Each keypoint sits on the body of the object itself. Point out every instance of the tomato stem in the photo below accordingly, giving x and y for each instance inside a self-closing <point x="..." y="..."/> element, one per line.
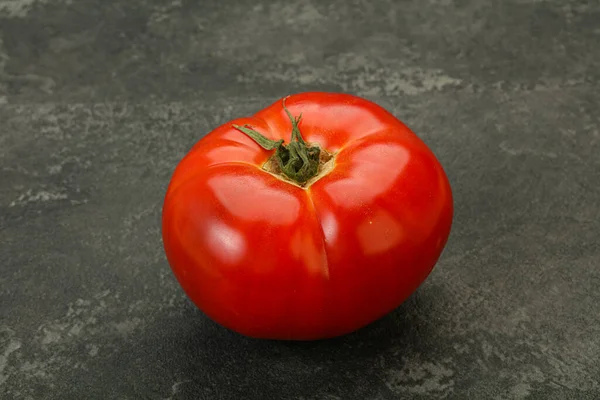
<point x="297" y="160"/>
<point x="264" y="142"/>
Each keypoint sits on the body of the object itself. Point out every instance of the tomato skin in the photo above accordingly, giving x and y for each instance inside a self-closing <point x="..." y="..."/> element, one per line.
<point x="269" y="259"/>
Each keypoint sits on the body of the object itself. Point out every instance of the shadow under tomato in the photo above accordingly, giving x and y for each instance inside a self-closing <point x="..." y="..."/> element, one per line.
<point x="186" y="355"/>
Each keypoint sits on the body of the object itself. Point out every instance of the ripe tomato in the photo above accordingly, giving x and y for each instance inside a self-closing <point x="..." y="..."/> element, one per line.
<point x="309" y="237"/>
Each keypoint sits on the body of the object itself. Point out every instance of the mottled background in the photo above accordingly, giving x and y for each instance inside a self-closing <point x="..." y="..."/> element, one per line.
<point x="99" y="99"/>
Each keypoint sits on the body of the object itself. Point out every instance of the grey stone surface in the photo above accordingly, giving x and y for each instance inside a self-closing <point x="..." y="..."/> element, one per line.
<point x="99" y="99"/>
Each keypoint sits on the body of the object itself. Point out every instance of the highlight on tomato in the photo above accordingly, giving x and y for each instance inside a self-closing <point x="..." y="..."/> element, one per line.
<point x="310" y="219"/>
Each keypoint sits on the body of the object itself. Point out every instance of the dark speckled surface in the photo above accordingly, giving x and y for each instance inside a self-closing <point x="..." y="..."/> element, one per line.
<point x="100" y="99"/>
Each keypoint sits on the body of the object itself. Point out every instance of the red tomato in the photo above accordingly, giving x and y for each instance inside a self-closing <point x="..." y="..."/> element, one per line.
<point x="270" y="257"/>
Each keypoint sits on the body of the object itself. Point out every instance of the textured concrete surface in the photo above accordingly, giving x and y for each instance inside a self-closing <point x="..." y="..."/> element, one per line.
<point x="99" y="99"/>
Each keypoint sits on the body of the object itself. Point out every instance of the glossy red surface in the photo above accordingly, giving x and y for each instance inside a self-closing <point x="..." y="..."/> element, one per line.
<point x="269" y="259"/>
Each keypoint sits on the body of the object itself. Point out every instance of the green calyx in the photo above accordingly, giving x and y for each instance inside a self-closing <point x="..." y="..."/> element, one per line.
<point x="296" y="160"/>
